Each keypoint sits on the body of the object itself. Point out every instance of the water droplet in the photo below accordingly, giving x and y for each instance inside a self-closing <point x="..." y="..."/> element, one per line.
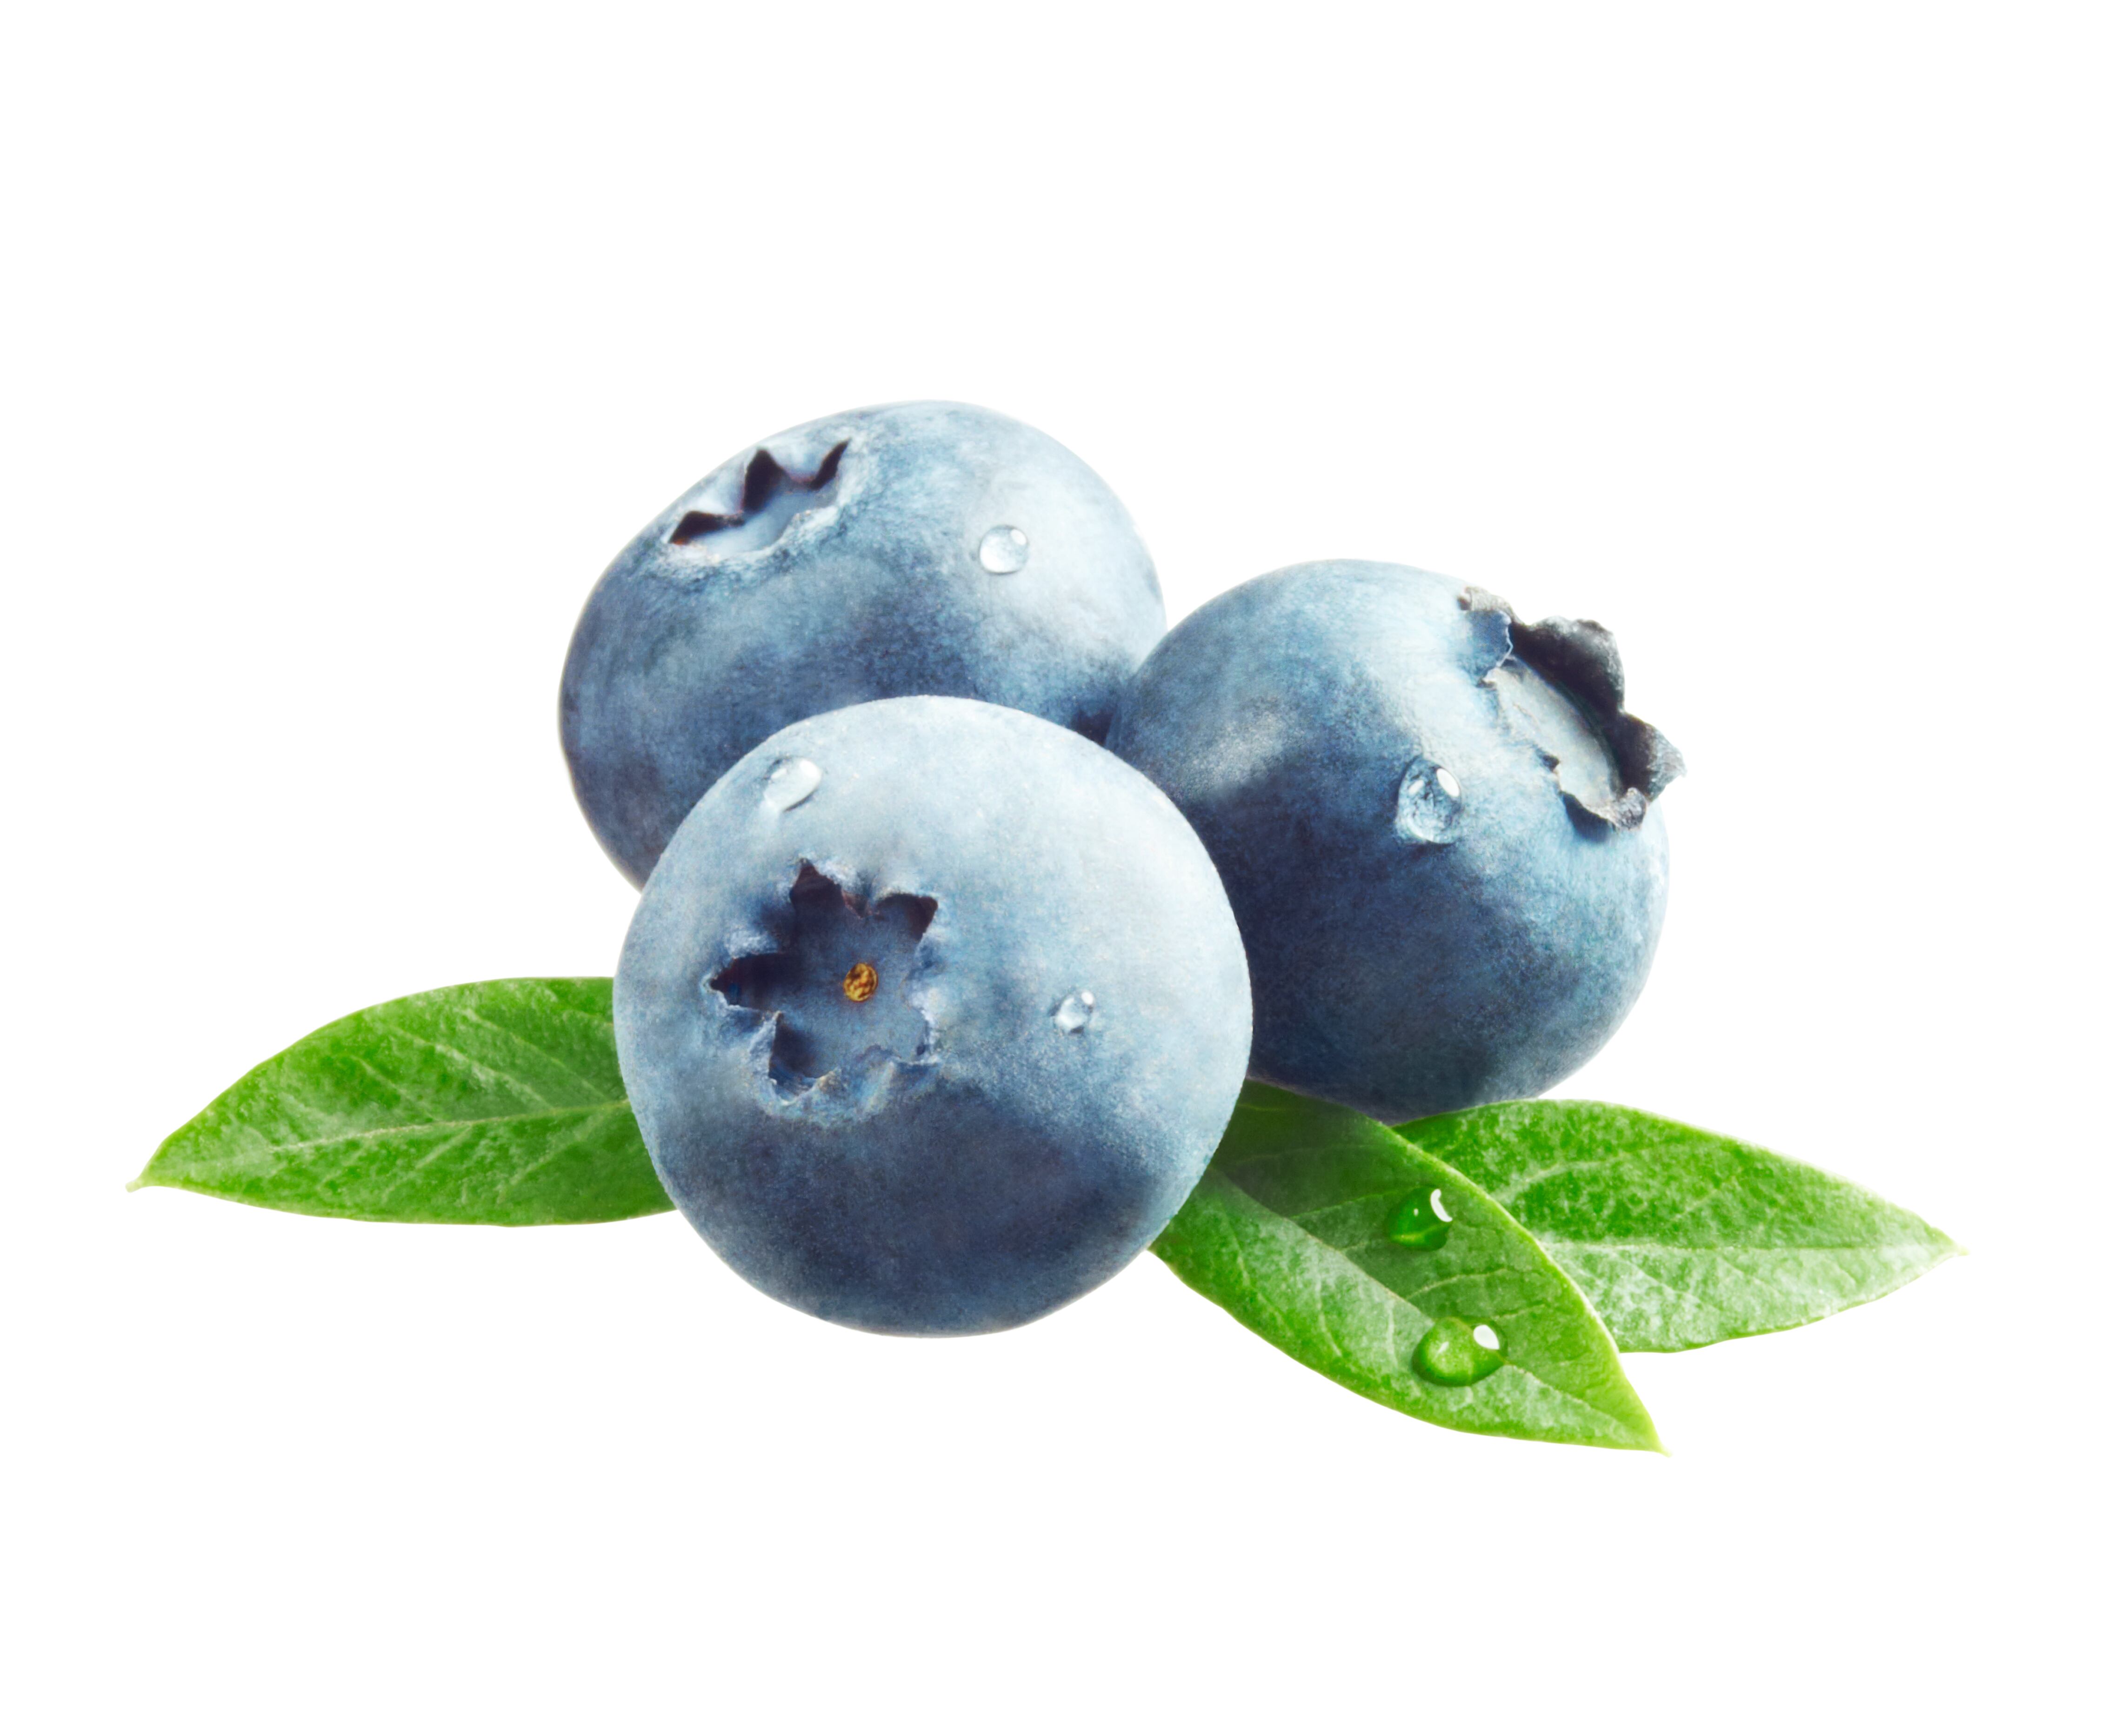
<point x="1429" y="803"/>
<point x="1003" y="549"/>
<point x="1455" y="1353"/>
<point x="1075" y="1010"/>
<point x="789" y="782"/>
<point x="861" y="983"/>
<point x="1420" y="1220"/>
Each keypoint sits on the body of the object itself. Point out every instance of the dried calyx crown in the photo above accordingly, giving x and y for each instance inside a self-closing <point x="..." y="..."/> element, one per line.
<point x="1580" y="659"/>
<point x="764" y="480"/>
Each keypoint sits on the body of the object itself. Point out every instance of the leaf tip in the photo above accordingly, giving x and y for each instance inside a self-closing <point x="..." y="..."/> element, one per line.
<point x="151" y="1175"/>
<point x="1642" y="1436"/>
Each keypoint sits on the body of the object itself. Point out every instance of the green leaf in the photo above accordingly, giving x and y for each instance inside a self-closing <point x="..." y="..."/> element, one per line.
<point x="1681" y="1238"/>
<point x="1290" y="1233"/>
<point x="489" y="1103"/>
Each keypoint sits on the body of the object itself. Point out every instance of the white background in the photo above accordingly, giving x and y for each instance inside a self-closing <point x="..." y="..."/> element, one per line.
<point x="342" y="348"/>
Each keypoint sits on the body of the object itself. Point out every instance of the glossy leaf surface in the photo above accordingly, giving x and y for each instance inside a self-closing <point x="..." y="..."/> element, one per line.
<point x="1681" y="1237"/>
<point x="486" y="1103"/>
<point x="1290" y="1232"/>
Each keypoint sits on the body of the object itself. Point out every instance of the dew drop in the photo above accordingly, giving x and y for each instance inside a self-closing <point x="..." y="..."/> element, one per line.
<point x="1429" y="803"/>
<point x="789" y="782"/>
<point x="1075" y="1010"/>
<point x="1420" y="1220"/>
<point x="1003" y="549"/>
<point x="1455" y="1353"/>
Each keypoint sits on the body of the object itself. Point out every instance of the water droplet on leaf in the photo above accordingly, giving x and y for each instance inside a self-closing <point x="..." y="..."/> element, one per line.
<point x="1003" y="549"/>
<point x="1420" y="1220"/>
<point x="1455" y="1353"/>
<point x="789" y="782"/>
<point x="1075" y="1010"/>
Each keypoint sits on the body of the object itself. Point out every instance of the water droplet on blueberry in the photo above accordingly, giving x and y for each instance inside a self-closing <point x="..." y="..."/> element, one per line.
<point x="861" y="983"/>
<point x="789" y="782"/>
<point x="1003" y="549"/>
<point x="1420" y="1220"/>
<point x="1075" y="1010"/>
<point x="1455" y="1353"/>
<point x="1429" y="803"/>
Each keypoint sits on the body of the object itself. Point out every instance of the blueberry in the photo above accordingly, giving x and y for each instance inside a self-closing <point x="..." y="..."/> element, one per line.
<point x="916" y="549"/>
<point x="1433" y="822"/>
<point x="932" y="1015"/>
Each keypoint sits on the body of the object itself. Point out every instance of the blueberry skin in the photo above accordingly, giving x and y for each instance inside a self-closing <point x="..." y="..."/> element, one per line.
<point x="1434" y="822"/>
<point x="962" y="1140"/>
<point x="840" y="562"/>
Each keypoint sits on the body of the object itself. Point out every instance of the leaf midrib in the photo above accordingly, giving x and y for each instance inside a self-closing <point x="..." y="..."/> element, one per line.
<point x="1550" y="1241"/>
<point x="407" y="1127"/>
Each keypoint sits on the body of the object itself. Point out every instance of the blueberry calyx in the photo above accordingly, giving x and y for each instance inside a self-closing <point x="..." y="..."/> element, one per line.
<point x="766" y="480"/>
<point x="1580" y="659"/>
<point x="823" y="989"/>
